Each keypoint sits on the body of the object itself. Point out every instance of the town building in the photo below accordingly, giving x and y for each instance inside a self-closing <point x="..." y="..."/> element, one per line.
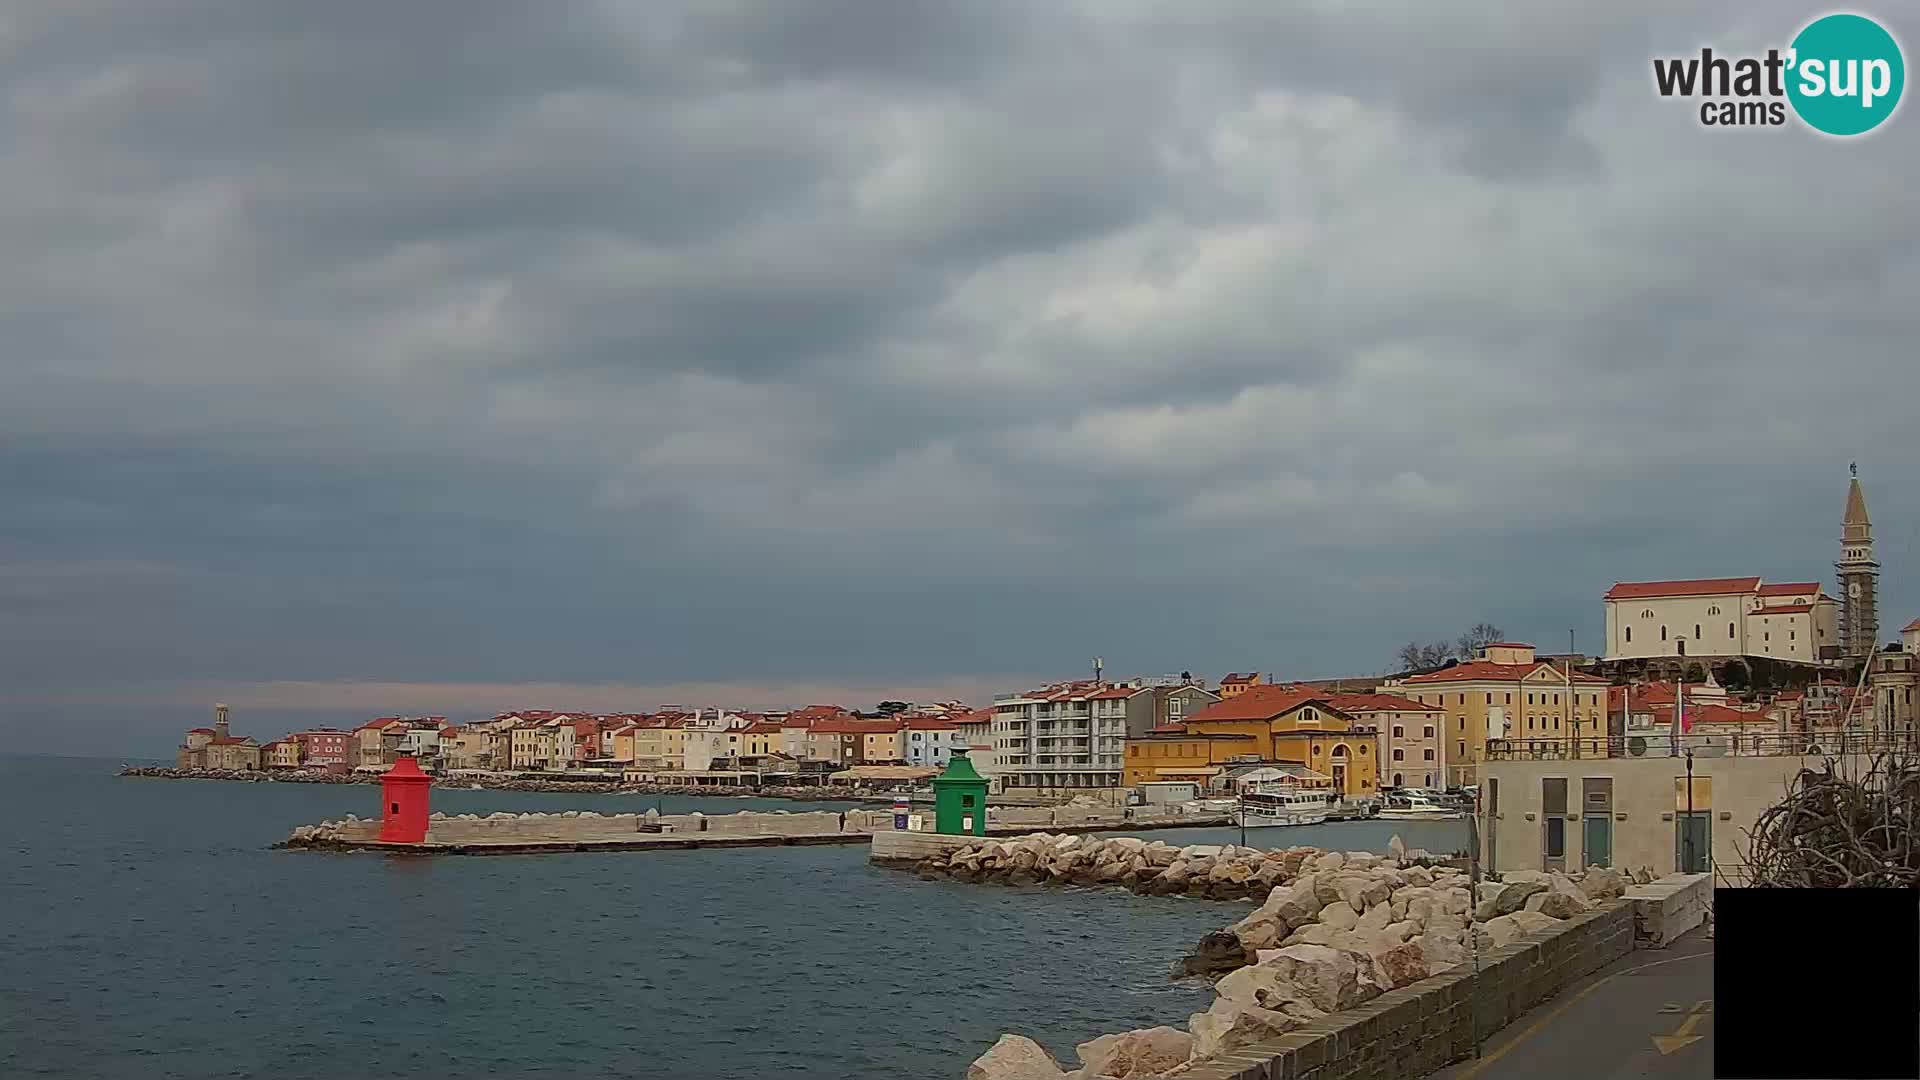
<point x="1543" y="810"/>
<point x="1411" y="750"/>
<point x="1892" y="681"/>
<point x="930" y="742"/>
<point x="281" y="754"/>
<point x="1236" y="683"/>
<point x="1065" y="737"/>
<point x="217" y="747"/>
<point x="1505" y="693"/>
<point x="1264" y="725"/>
<point x="324" y="748"/>
<point x="1721" y="618"/>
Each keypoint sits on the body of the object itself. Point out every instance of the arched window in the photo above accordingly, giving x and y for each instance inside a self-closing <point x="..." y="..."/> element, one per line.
<point x="1696" y="631"/>
<point x="1647" y="613"/>
<point x="1663" y="633"/>
<point x="1399" y="780"/>
<point x="1729" y="631"/>
<point x="1714" y="610"/>
<point x="1629" y="633"/>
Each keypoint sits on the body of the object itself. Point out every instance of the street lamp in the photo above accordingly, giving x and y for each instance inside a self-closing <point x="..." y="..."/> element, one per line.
<point x="1686" y="828"/>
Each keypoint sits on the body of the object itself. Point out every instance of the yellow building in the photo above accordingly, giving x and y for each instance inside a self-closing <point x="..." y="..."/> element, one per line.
<point x="281" y="754"/>
<point x="1506" y="694"/>
<point x="660" y="748"/>
<point x="1263" y="724"/>
<point x="882" y="746"/>
<point x="762" y="738"/>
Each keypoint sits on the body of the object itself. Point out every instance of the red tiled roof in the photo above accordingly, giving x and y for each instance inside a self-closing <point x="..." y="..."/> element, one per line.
<point x="1236" y="677"/>
<point x="1647" y="590"/>
<point x="1258" y="703"/>
<point x="1911" y="627"/>
<point x="1797" y="588"/>
<point x="930" y="723"/>
<point x="976" y="716"/>
<point x="763" y="728"/>
<point x="1359" y="703"/>
<point x="1487" y="670"/>
<point x="200" y="731"/>
<point x="1117" y="693"/>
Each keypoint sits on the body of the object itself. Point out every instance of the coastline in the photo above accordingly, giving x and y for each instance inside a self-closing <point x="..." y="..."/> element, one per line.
<point x="820" y="793"/>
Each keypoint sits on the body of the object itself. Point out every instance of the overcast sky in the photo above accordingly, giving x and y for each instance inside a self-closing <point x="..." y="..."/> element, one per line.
<point x="364" y="357"/>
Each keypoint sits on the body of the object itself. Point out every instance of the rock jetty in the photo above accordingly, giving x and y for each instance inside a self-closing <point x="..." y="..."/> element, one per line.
<point x="1148" y="867"/>
<point x="1334" y="929"/>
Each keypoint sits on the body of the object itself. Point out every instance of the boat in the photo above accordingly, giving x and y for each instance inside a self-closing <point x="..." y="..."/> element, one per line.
<point x="1281" y="804"/>
<point x="1409" y="806"/>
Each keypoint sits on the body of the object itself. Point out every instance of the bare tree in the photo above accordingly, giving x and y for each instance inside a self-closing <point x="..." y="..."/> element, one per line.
<point x="1481" y="635"/>
<point x="1414" y="656"/>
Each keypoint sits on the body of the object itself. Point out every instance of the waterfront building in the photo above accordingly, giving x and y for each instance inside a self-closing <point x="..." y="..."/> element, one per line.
<point x="1504" y="693"/>
<point x="1235" y="684"/>
<point x="660" y="745"/>
<point x="281" y="754"/>
<point x="234" y="754"/>
<point x="193" y="749"/>
<point x="1542" y="809"/>
<point x="324" y="747"/>
<point x="1061" y="738"/>
<point x="930" y="742"/>
<point x="763" y="738"/>
<point x="377" y="742"/>
<point x="1264" y="725"/>
<point x="1411" y="750"/>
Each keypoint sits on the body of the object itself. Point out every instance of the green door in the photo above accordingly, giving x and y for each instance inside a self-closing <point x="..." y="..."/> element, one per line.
<point x="1598" y="850"/>
<point x="1692" y="842"/>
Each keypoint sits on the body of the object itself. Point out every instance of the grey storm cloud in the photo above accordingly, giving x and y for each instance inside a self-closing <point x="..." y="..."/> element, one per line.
<point x="727" y="342"/>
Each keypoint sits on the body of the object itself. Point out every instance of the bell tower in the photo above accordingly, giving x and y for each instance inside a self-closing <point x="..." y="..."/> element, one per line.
<point x="1859" y="576"/>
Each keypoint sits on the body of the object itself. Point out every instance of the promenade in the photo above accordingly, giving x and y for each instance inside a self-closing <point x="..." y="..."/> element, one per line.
<point x="1647" y="1014"/>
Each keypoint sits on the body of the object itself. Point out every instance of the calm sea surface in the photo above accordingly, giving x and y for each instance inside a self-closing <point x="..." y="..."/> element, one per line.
<point x="148" y="932"/>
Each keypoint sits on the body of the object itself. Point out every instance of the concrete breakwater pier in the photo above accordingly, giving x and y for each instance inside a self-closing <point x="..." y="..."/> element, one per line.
<point x="574" y="830"/>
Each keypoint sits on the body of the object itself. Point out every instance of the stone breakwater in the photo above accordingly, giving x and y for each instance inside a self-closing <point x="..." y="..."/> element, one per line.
<point x="1335" y="930"/>
<point x="577" y="826"/>
<point x="816" y="793"/>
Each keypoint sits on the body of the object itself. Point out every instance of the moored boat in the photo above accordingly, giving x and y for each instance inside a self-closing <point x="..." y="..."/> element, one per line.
<point x="1281" y="804"/>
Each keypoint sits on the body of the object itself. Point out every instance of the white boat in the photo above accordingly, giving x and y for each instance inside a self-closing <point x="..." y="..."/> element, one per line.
<point x="1281" y="805"/>
<point x="1410" y="807"/>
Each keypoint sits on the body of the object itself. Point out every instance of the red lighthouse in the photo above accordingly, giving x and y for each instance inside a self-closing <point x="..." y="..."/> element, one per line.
<point x="403" y="799"/>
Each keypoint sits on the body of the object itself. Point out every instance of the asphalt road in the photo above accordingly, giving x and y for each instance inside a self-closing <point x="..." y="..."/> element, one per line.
<point x="1648" y="1014"/>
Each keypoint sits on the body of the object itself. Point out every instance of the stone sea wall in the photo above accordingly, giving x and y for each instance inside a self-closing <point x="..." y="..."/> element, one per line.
<point x="1335" y="931"/>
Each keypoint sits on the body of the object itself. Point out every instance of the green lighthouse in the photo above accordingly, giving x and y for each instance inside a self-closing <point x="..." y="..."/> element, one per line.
<point x="960" y="799"/>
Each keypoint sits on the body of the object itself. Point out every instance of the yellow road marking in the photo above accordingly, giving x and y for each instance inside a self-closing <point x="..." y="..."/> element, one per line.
<point x="1683" y="1037"/>
<point x="1534" y="1028"/>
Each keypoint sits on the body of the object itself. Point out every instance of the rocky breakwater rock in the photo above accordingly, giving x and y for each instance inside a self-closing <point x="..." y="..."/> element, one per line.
<point x="1201" y="871"/>
<point x="327" y="834"/>
<point x="1333" y="930"/>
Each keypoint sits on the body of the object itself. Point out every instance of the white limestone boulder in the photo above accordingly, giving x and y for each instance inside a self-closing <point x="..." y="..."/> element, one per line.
<point x="1015" y="1057"/>
<point x="1136" y="1055"/>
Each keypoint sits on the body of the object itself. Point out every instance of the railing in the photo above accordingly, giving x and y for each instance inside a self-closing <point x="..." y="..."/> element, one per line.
<point x="1729" y="744"/>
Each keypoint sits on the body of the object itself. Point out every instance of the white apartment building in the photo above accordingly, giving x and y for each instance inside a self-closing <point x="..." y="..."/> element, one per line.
<point x="1721" y="617"/>
<point x="1062" y="737"/>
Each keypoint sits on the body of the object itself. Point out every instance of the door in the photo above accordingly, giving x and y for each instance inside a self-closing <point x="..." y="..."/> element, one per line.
<point x="1692" y="842"/>
<point x="1598" y="849"/>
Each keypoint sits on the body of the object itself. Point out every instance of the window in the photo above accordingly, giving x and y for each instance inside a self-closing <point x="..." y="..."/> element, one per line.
<point x="1792" y="635"/>
<point x="1400" y="732"/>
<point x="1363" y="749"/>
<point x="1556" y="699"/>
<point x="1463" y="749"/>
<point x="1629" y="633"/>
<point x="1663" y="633"/>
<point x="1509" y="699"/>
<point x="1714" y="610"/>
<point x="1429" y="753"/>
<point x="1429" y="731"/>
<point x="1729" y="631"/>
<point x="1696" y="631"/>
<point x="1646" y="613"/>
<point x="1463" y="699"/>
<point x="1489" y="699"/>
<point x="1529" y="699"/>
<point x="1399" y="780"/>
<point x="1399" y="754"/>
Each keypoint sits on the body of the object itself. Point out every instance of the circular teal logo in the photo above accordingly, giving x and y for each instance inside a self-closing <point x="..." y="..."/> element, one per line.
<point x="1845" y="74"/>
